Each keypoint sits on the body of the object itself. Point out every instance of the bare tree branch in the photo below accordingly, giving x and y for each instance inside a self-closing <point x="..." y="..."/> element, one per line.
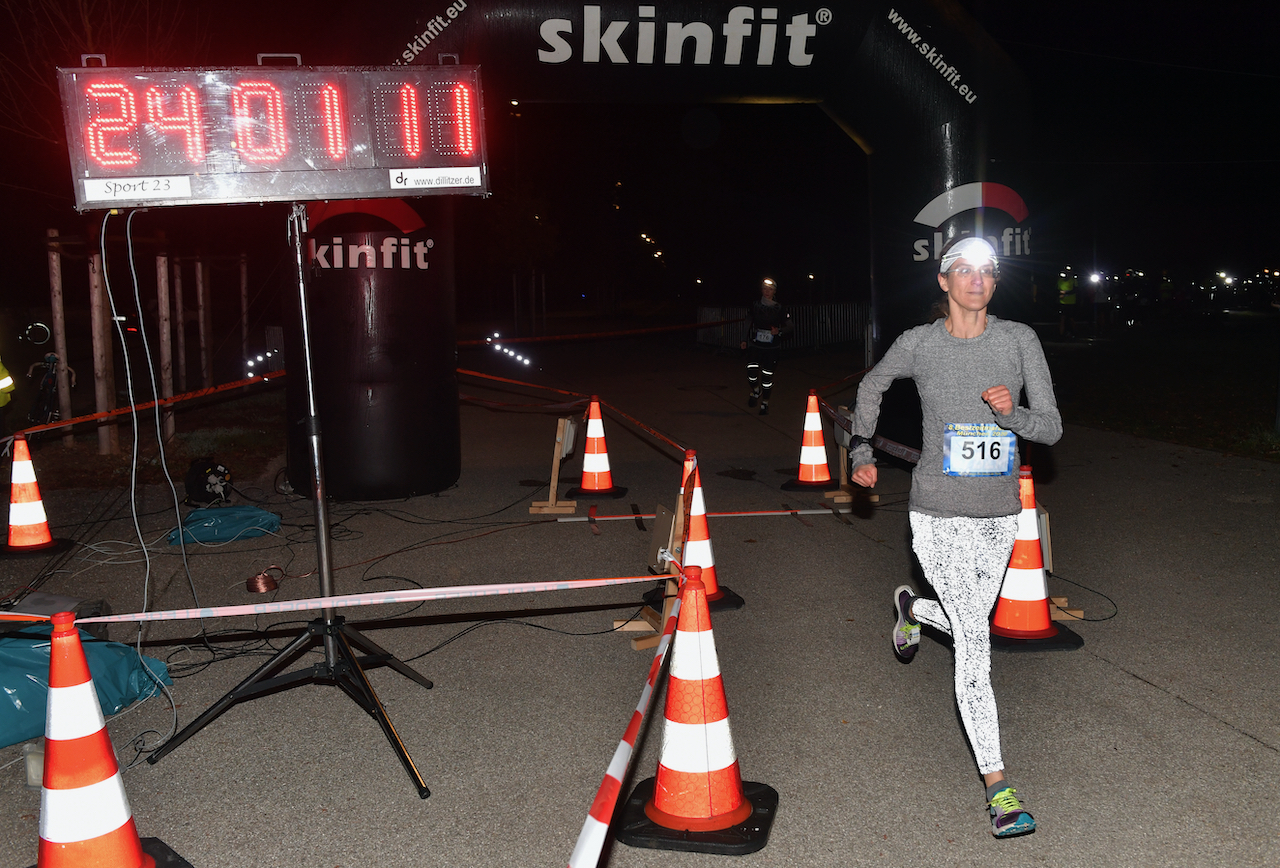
<point x="46" y="34"/>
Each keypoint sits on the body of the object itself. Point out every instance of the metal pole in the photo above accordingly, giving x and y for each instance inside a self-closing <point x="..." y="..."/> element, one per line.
<point x="165" y="326"/>
<point x="324" y="560"/>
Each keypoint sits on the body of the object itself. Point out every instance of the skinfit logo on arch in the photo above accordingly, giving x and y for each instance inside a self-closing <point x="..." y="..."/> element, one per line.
<point x="1012" y="241"/>
<point x="391" y="252"/>
<point x="747" y="36"/>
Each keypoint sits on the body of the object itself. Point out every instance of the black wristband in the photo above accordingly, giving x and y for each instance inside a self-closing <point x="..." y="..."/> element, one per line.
<point x="855" y="441"/>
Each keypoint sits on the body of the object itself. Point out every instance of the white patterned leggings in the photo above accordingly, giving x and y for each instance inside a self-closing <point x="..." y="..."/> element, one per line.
<point x="965" y="561"/>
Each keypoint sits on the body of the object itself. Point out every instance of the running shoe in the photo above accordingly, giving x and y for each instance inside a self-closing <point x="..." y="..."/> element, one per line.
<point x="764" y="408"/>
<point x="753" y="397"/>
<point x="1008" y="819"/>
<point x="906" y="633"/>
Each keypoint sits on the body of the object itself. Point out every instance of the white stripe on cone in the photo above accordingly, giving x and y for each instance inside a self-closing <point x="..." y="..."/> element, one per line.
<point x="696" y="748"/>
<point x="813" y="455"/>
<point x="697" y="553"/>
<point x="84" y="813"/>
<point x="595" y="428"/>
<point x="595" y="462"/>
<point x="23" y="471"/>
<point x="1025" y="585"/>
<point x="1028" y="525"/>
<point x="695" y="656"/>
<point x="24" y="514"/>
<point x="72" y="712"/>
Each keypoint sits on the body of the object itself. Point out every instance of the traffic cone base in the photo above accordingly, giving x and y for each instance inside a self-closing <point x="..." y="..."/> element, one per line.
<point x="636" y="828"/>
<point x="1063" y="639"/>
<point x="158" y="852"/>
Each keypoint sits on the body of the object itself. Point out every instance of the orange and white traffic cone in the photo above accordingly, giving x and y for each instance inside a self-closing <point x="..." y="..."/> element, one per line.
<point x="1022" y="615"/>
<point x="698" y="795"/>
<point x="597" y="478"/>
<point x="85" y="819"/>
<point x="697" y="547"/>
<point x="28" y="524"/>
<point x="813" y="453"/>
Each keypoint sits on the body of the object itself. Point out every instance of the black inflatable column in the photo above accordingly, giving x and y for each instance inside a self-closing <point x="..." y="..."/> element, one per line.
<point x="381" y="298"/>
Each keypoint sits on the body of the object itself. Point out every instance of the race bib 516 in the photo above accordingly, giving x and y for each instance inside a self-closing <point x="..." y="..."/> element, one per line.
<point x="977" y="449"/>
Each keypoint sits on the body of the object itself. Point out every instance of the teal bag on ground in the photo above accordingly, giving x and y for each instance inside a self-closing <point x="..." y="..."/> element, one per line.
<point x="219" y="524"/>
<point x="118" y="677"/>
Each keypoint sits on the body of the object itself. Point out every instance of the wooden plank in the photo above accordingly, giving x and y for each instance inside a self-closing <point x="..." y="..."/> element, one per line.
<point x="546" y="507"/>
<point x="635" y="625"/>
<point x="646" y="619"/>
<point x="551" y="506"/>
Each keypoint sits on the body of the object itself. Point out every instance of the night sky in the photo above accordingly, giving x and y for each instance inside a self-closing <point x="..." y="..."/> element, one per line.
<point x="1153" y="146"/>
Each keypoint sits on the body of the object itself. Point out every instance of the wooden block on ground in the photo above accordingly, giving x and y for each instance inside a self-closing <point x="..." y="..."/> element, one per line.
<point x="647" y="619"/>
<point x="563" y="507"/>
<point x="640" y="643"/>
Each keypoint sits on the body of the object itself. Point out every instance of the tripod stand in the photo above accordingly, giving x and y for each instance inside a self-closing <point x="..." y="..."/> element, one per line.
<point x="341" y="666"/>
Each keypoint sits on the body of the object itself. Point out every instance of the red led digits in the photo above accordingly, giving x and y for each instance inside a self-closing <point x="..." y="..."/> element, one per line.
<point x="462" y="109"/>
<point x="186" y="120"/>
<point x="98" y="134"/>
<point x="260" y="138"/>
<point x="335" y="136"/>
<point x="410" y="120"/>
<point x="453" y="127"/>
<point x="181" y="136"/>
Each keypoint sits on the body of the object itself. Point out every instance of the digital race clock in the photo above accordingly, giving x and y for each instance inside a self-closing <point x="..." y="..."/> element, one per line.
<point x="143" y="137"/>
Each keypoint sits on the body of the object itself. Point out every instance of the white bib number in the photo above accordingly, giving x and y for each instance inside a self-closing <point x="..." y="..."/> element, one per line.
<point x="973" y="449"/>
<point x="764" y="336"/>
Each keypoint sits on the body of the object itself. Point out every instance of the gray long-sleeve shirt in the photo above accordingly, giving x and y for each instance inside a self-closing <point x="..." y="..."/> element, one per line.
<point x="951" y="374"/>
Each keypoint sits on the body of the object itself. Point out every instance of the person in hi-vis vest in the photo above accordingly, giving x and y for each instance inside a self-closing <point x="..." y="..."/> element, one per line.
<point x="1067" y="297"/>
<point x="6" y="395"/>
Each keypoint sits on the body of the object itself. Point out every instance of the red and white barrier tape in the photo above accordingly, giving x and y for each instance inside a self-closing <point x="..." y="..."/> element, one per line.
<point x="596" y="827"/>
<point x="372" y="599"/>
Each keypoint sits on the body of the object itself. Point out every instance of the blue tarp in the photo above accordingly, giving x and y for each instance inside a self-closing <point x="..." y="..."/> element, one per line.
<point x="225" y="523"/>
<point x="116" y="669"/>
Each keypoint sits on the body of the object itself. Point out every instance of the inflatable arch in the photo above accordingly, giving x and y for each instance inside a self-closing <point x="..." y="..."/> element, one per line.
<point x="932" y="100"/>
<point x="926" y="94"/>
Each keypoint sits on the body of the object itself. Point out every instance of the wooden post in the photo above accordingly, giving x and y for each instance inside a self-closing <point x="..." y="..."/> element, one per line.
<point x="679" y="533"/>
<point x="202" y="316"/>
<point x="845" y="493"/>
<point x="244" y="306"/>
<point x="563" y="446"/>
<point x="104" y="375"/>
<point x="60" y="333"/>
<point x="180" y="313"/>
<point x="167" y="425"/>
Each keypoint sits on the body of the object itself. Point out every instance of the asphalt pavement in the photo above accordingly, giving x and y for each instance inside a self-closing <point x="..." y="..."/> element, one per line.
<point x="1157" y="742"/>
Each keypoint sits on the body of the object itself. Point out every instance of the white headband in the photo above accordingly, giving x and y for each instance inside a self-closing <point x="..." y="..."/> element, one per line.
<point x="974" y="249"/>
